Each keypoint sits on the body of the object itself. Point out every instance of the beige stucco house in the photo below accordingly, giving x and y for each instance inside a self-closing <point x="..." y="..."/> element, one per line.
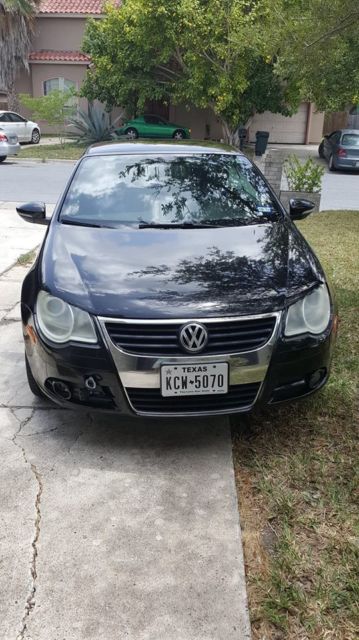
<point x="56" y="62"/>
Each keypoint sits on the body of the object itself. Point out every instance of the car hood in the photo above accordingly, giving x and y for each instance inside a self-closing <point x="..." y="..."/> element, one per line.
<point x="160" y="273"/>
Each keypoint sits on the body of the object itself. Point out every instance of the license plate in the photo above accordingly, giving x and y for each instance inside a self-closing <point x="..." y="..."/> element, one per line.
<point x="194" y="379"/>
<point x="13" y="139"/>
<point x="357" y="164"/>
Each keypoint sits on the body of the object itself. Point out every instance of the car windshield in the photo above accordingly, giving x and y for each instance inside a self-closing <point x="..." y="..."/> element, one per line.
<point x="202" y="189"/>
<point x="350" y="140"/>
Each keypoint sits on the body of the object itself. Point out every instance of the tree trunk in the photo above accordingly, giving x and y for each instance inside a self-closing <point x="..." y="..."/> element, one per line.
<point x="230" y="135"/>
<point x="12" y="98"/>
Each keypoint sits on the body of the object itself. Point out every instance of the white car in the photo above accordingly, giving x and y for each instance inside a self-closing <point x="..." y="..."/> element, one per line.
<point x="26" y="130"/>
<point x="9" y="145"/>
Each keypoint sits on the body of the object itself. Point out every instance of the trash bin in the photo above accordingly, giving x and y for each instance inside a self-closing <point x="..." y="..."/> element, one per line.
<point x="242" y="135"/>
<point x="261" y="142"/>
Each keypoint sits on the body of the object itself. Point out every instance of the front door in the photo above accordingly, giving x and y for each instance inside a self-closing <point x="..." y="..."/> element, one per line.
<point x="156" y="127"/>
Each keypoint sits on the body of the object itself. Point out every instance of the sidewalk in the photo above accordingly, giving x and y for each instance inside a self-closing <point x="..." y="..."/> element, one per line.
<point x="17" y="236"/>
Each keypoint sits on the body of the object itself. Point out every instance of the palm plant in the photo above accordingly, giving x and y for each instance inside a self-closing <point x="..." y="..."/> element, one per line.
<point x="94" y="126"/>
<point x="16" y="29"/>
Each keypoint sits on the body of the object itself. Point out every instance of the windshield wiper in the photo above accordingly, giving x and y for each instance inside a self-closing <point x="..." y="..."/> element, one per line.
<point x="84" y="223"/>
<point x="176" y="225"/>
<point x="225" y="222"/>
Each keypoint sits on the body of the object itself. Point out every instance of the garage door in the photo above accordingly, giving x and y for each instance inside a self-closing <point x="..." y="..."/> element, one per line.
<point x="281" y="129"/>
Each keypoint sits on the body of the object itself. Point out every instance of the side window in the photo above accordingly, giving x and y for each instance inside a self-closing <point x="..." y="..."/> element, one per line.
<point x="335" y="136"/>
<point x="5" y="118"/>
<point x="14" y="117"/>
<point x="151" y="120"/>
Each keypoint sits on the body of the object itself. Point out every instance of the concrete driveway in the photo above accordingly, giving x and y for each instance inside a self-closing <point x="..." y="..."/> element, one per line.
<point x="111" y="528"/>
<point x="340" y="190"/>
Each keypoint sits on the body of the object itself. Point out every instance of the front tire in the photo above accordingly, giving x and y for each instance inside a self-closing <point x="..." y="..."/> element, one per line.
<point x="35" y="136"/>
<point x="332" y="167"/>
<point x="2" y="158"/>
<point x="34" y="387"/>
<point x="321" y="151"/>
<point x="132" y="134"/>
<point x="179" y="135"/>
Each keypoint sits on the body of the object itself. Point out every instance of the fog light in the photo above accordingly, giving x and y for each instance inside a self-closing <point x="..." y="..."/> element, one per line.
<point x="316" y="378"/>
<point x="61" y="389"/>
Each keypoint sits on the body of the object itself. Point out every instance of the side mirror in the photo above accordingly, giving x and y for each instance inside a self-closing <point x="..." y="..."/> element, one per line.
<point x="300" y="209"/>
<point x="33" y="212"/>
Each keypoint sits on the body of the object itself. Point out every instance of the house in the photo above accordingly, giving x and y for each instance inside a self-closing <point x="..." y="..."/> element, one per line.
<point x="56" y="62"/>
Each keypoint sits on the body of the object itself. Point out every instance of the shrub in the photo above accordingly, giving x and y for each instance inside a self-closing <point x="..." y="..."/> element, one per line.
<point x="55" y="108"/>
<point x="303" y="176"/>
<point x="94" y="126"/>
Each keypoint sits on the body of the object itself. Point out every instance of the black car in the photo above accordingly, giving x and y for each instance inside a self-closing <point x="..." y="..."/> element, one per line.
<point x="172" y="282"/>
<point x="341" y="149"/>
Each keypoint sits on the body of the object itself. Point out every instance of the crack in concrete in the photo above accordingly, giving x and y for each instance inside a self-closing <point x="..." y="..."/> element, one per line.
<point x="6" y="321"/>
<point x="80" y="433"/>
<point x="39" y="433"/>
<point x="15" y="407"/>
<point x="30" y="600"/>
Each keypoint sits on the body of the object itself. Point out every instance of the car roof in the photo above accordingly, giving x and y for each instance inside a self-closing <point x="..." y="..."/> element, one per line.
<point x="128" y="148"/>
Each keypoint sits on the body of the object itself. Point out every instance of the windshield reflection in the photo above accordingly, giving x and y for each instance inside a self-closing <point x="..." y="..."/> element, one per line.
<point x="169" y="189"/>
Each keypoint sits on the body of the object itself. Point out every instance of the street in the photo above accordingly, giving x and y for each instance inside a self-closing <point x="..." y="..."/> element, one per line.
<point x="22" y="181"/>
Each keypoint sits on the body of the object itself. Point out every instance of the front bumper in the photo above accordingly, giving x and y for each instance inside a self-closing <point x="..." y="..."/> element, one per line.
<point x="281" y="370"/>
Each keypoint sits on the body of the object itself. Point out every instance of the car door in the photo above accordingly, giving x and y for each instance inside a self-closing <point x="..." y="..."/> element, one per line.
<point x="155" y="127"/>
<point x="330" y="143"/>
<point x="6" y="125"/>
<point x="21" y="127"/>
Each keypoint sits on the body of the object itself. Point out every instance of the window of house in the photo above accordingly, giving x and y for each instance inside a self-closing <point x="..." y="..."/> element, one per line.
<point x="61" y="84"/>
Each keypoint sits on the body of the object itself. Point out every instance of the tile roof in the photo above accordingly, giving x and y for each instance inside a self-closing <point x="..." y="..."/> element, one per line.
<point x="80" y="7"/>
<point x="58" y="56"/>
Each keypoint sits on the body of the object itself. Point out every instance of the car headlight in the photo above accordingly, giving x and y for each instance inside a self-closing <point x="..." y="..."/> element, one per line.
<point x="61" y="322"/>
<point x="309" y="315"/>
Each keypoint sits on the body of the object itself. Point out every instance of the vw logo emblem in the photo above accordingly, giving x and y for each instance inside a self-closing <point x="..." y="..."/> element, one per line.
<point x="193" y="337"/>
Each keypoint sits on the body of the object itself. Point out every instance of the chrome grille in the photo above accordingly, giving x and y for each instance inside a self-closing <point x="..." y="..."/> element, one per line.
<point x="161" y="339"/>
<point x="151" y="401"/>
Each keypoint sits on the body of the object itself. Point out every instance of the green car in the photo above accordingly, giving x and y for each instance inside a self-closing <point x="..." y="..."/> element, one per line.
<point x="149" y="126"/>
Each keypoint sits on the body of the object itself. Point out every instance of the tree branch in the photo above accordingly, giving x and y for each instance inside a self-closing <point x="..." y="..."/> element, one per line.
<point x="340" y="27"/>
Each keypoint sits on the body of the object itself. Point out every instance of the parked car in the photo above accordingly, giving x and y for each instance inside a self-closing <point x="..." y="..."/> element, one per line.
<point x="172" y="282"/>
<point x="26" y="130"/>
<point x="341" y="149"/>
<point x="9" y="145"/>
<point x="150" y="126"/>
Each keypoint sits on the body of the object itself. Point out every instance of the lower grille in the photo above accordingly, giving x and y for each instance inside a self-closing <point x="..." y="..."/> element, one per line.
<point x="151" y="401"/>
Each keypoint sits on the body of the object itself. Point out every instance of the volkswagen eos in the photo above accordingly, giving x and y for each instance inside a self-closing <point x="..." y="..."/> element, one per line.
<point x="171" y="282"/>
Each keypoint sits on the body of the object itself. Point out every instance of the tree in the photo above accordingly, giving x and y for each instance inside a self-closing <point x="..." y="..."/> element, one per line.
<point x="209" y="53"/>
<point x="16" y="28"/>
<point x="54" y="108"/>
<point x="318" y="43"/>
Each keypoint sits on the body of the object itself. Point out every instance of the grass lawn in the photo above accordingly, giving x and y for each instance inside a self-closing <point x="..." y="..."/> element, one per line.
<point x="68" y="151"/>
<point x="71" y="151"/>
<point x="297" y="473"/>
